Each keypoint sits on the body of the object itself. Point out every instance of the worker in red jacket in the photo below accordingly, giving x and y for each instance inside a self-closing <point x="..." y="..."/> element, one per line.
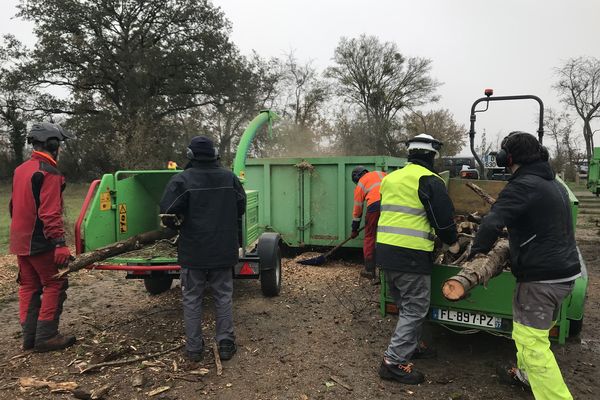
<point x="367" y="189"/>
<point x="37" y="237"/>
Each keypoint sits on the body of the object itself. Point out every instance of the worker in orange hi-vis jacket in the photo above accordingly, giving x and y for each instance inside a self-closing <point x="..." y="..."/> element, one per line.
<point x="367" y="189"/>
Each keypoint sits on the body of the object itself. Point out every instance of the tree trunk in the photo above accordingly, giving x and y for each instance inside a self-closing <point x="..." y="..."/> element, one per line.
<point x="133" y="243"/>
<point x="477" y="271"/>
<point x="482" y="193"/>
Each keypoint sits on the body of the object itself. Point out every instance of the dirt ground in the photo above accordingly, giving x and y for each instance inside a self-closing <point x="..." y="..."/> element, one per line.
<point x="322" y="338"/>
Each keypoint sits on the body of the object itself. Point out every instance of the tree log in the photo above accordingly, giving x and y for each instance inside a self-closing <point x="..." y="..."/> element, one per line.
<point x="482" y="193"/>
<point x="133" y="243"/>
<point x="477" y="271"/>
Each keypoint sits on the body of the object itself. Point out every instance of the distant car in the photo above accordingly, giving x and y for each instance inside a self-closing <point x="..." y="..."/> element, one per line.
<point x="456" y="164"/>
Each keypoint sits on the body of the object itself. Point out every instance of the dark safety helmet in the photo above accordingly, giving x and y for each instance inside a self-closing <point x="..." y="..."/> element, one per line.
<point x="358" y="172"/>
<point x="43" y="131"/>
<point x="202" y="148"/>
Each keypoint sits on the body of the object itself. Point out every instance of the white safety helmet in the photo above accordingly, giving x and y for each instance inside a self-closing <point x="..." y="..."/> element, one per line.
<point x="425" y="142"/>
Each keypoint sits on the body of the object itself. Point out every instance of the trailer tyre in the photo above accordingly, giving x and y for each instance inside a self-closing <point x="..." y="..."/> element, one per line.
<point x="269" y="253"/>
<point x="575" y="326"/>
<point x="158" y="284"/>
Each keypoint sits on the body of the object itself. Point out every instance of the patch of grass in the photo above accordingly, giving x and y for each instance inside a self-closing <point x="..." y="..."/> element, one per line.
<point x="73" y="198"/>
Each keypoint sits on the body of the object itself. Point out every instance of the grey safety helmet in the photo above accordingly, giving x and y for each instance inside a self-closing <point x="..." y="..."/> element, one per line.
<point x="358" y="172"/>
<point x="43" y="131"/>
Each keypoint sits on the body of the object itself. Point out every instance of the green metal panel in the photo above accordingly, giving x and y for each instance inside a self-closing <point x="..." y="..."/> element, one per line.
<point x="136" y="195"/>
<point x="99" y="223"/>
<point x="251" y="217"/>
<point x="317" y="193"/>
<point x="593" y="182"/>
<point x="496" y="298"/>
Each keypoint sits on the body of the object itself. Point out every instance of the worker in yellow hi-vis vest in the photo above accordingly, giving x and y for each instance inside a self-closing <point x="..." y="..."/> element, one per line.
<point x="414" y="208"/>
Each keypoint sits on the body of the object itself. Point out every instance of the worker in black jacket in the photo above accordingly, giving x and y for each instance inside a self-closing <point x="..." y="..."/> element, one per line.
<point x="206" y="203"/>
<point x="415" y="207"/>
<point x="535" y="209"/>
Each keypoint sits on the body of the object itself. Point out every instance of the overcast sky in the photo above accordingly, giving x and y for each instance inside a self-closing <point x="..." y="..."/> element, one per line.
<point x="512" y="46"/>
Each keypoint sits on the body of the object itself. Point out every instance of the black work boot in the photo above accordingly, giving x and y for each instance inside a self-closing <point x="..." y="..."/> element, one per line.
<point x="57" y="342"/>
<point x="403" y="373"/>
<point x="424" y="352"/>
<point x="511" y="375"/>
<point x="47" y="337"/>
<point x="195" y="356"/>
<point x="367" y="274"/>
<point x="28" y="337"/>
<point x="227" y="349"/>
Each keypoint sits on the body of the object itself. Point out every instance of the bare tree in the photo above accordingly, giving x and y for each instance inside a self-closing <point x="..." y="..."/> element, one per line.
<point x="382" y="82"/>
<point x="579" y="88"/>
<point x="441" y="125"/>
<point x="15" y="96"/>
<point x="559" y="127"/>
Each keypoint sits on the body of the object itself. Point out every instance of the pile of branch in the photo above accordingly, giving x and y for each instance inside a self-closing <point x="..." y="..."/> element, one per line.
<point x="133" y="243"/>
<point x="482" y="267"/>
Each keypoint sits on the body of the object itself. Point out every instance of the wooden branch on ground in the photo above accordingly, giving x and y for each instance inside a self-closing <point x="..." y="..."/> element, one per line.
<point x="133" y="243"/>
<point x="477" y="271"/>
<point x="129" y="360"/>
<point x="217" y="358"/>
<point x="482" y="193"/>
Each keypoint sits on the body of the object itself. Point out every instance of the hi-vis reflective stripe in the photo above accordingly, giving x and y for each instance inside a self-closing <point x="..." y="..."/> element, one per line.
<point x="405" y="231"/>
<point x="404" y="209"/>
<point x="380" y="174"/>
<point x="358" y="203"/>
<point x="356" y="219"/>
<point x="367" y="190"/>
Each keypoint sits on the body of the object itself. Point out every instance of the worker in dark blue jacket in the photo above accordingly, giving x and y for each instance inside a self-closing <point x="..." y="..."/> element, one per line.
<point x="535" y="209"/>
<point x="206" y="203"/>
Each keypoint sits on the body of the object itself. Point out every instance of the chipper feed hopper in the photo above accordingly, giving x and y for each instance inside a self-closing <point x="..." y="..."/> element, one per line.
<point x="490" y="308"/>
<point x="125" y="204"/>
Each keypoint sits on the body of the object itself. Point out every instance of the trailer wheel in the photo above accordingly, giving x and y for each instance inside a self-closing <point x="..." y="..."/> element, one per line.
<point x="575" y="326"/>
<point x="158" y="284"/>
<point x="269" y="254"/>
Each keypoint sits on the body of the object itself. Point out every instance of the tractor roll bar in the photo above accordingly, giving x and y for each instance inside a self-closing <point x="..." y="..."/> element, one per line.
<point x="489" y="98"/>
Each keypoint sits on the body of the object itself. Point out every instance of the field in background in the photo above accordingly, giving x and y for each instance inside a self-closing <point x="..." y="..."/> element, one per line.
<point x="73" y="197"/>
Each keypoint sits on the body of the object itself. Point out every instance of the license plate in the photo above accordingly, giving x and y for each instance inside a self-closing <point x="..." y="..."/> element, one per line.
<point x="468" y="318"/>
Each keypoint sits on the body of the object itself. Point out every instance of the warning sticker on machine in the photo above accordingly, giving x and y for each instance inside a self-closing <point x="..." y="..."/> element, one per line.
<point x="104" y="201"/>
<point x="122" y="218"/>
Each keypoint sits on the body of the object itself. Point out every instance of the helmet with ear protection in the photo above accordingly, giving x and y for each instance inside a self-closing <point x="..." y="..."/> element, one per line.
<point x="506" y="158"/>
<point x="201" y="148"/>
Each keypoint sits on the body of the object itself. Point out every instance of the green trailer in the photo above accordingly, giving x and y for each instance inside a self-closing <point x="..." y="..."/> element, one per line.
<point x="126" y="203"/>
<point x="490" y="308"/>
<point x="309" y="201"/>
<point x="593" y="182"/>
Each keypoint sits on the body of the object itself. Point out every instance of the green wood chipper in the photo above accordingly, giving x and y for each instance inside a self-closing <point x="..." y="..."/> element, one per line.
<point x="124" y="204"/>
<point x="490" y="308"/>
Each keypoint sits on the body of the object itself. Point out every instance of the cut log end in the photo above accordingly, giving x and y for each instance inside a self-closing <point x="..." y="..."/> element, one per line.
<point x="453" y="290"/>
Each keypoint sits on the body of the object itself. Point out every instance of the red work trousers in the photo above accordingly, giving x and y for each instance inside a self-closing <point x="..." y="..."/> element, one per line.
<point x="41" y="296"/>
<point x="371" y="218"/>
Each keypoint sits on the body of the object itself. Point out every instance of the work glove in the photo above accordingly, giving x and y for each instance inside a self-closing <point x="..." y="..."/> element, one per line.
<point x="454" y="248"/>
<point x="355" y="225"/>
<point x="170" y="221"/>
<point x="62" y="255"/>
